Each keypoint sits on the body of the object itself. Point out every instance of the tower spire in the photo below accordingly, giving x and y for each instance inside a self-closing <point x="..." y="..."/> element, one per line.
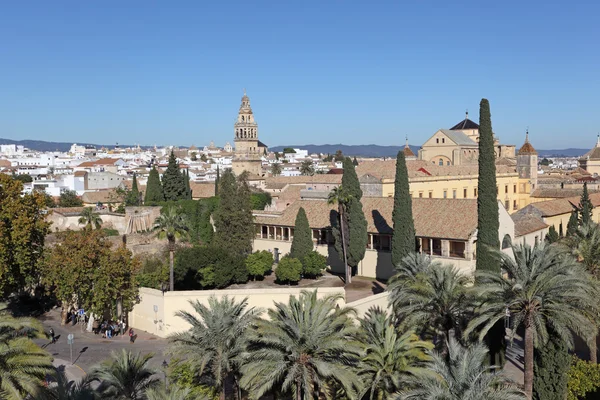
<point x="406" y="145"/>
<point x="598" y="141"/>
<point x="467" y="113"/>
<point x="527" y="135"/>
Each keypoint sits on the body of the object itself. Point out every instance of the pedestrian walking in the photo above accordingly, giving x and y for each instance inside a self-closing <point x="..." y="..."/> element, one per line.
<point x="52" y="337"/>
<point x="131" y="338"/>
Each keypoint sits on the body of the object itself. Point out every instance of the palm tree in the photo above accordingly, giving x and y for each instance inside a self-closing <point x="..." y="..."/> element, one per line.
<point x="171" y="225"/>
<point x="64" y="389"/>
<point x="409" y="267"/>
<point x="126" y="376"/>
<point x="276" y="169"/>
<point x="390" y="360"/>
<point x="434" y="302"/>
<point x="461" y="374"/>
<point x="306" y="347"/>
<point x="89" y="218"/>
<point x="338" y="195"/>
<point x="541" y="287"/>
<point x="11" y="327"/>
<point x="215" y="341"/>
<point x="23" y="367"/>
<point x="172" y="393"/>
<point x="307" y="168"/>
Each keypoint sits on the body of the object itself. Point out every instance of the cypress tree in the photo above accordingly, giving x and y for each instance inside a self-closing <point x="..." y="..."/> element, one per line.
<point x="217" y="182"/>
<point x="552" y="235"/>
<point x="573" y="223"/>
<point x="154" y="190"/>
<point x="233" y="217"/>
<point x="561" y="234"/>
<point x="488" y="223"/>
<point x="585" y="205"/>
<point x="134" y="194"/>
<point x="403" y="240"/>
<point x="355" y="162"/>
<point x="302" y="243"/>
<point x="350" y="181"/>
<point x="188" y="189"/>
<point x="173" y="181"/>
<point x="551" y="364"/>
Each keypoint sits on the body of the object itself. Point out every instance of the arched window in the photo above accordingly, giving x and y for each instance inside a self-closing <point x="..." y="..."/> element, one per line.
<point x="242" y="118"/>
<point x="441" y="162"/>
<point x="506" y="242"/>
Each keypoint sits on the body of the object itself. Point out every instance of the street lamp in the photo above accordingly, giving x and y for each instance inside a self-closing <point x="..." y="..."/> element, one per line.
<point x="165" y="365"/>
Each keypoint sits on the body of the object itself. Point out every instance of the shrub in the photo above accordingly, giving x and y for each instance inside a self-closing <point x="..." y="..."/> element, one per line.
<point x="154" y="272"/>
<point x="110" y="232"/>
<point x="313" y="264"/>
<point x="288" y="270"/>
<point x="584" y="379"/>
<point x="259" y="263"/>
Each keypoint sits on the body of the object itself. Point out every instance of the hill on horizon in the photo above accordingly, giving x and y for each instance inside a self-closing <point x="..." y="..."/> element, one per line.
<point x="365" y="150"/>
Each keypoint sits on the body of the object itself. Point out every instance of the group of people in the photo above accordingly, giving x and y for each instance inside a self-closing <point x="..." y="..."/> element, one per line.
<point x="108" y="329"/>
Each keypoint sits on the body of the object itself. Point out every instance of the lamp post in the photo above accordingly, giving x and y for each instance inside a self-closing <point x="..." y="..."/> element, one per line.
<point x="165" y="366"/>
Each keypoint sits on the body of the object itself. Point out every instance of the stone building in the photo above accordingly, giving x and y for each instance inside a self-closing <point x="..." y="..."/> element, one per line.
<point x="590" y="161"/>
<point x="248" y="149"/>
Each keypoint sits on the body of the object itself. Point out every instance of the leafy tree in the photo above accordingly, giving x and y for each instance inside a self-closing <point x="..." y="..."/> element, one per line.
<point x="552" y="235"/>
<point x="288" y="270"/>
<point x="586" y="206"/>
<point x="313" y="264"/>
<point x="573" y="224"/>
<point x="276" y="169"/>
<point x="154" y="189"/>
<point x="552" y="363"/>
<point x="302" y="243"/>
<point x="234" y="222"/>
<point x="307" y="168"/>
<point x="403" y="240"/>
<point x="203" y="158"/>
<point x="90" y="218"/>
<point x="171" y="225"/>
<point x="391" y="360"/>
<point x="85" y="267"/>
<point x="68" y="198"/>
<point x="214" y="344"/>
<point x="48" y="200"/>
<point x="338" y="156"/>
<point x="24" y="365"/>
<point x="260" y="200"/>
<point x="462" y="374"/>
<point x="23" y="228"/>
<point x="126" y="376"/>
<point x="194" y="156"/>
<point x="435" y="303"/>
<point x="287" y="150"/>
<point x="259" y="263"/>
<point x="583" y="379"/>
<point x="202" y="267"/>
<point x="173" y="181"/>
<point x="545" y="162"/>
<point x="305" y="347"/>
<point x="23" y="178"/>
<point x="134" y="197"/>
<point x="154" y="272"/>
<point x="536" y="273"/>
<point x="355" y="161"/>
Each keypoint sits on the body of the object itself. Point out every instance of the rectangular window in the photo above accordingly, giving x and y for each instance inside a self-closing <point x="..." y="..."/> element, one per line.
<point x="514" y="188"/>
<point x="420" y="194"/>
<point x="465" y="193"/>
<point x="505" y="188"/>
<point x="431" y="195"/>
<point x="506" y="205"/>
<point x="474" y="192"/>
<point x="453" y="193"/>
<point x="515" y="205"/>
<point x="445" y="193"/>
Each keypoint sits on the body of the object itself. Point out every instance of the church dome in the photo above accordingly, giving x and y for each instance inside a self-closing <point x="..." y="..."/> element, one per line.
<point x="527" y="148"/>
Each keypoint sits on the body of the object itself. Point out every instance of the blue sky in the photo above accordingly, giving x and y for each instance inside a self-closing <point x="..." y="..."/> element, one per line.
<point x="316" y="72"/>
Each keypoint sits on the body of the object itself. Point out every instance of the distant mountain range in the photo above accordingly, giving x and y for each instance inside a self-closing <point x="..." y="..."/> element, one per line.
<point x="364" y="150"/>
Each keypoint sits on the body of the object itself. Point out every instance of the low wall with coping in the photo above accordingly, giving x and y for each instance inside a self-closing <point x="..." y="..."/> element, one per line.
<point x="155" y="313"/>
<point x="363" y="305"/>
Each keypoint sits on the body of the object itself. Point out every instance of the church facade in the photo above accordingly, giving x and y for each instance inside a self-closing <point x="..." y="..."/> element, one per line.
<point x="248" y="149"/>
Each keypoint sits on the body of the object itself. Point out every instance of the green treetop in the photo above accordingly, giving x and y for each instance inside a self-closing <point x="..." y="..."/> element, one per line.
<point x="403" y="240"/>
<point x="154" y="190"/>
<point x="350" y="180"/>
<point x="173" y="181"/>
<point x="586" y="206"/>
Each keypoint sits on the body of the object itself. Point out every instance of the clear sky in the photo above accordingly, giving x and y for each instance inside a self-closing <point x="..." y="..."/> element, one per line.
<point x="173" y="72"/>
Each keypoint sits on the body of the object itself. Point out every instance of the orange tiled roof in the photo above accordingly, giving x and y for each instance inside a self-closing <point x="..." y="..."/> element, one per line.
<point x="202" y="190"/>
<point x="102" y="161"/>
<point x="527" y="223"/>
<point x="562" y="206"/>
<point x="434" y="218"/>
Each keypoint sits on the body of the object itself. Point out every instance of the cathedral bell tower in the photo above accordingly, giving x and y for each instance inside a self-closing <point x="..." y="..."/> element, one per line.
<point x="248" y="149"/>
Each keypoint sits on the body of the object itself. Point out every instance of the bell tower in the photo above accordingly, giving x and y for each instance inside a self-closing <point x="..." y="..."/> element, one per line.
<point x="248" y="149"/>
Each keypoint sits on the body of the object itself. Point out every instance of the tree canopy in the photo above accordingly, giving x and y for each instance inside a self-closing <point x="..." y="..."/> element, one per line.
<point x="154" y="189"/>
<point x="173" y="181"/>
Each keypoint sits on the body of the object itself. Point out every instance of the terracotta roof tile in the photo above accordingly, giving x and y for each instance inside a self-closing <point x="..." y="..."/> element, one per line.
<point x="561" y="206"/>
<point x="295" y="180"/>
<point x="202" y="190"/>
<point x="527" y="223"/>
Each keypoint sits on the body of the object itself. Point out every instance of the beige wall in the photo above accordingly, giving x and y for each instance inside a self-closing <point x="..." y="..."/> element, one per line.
<point x="110" y="221"/>
<point x="163" y="321"/>
<point x="363" y="305"/>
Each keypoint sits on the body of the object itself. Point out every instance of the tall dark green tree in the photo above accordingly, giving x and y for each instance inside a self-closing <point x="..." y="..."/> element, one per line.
<point x="552" y="235"/>
<point x="302" y="243"/>
<point x="354" y="219"/>
<point x="154" y="190"/>
<point x="133" y="197"/>
<point x="403" y="241"/>
<point x="233" y="218"/>
<point x="173" y="181"/>
<point x="355" y="162"/>
<point x="188" y="189"/>
<point x="573" y="224"/>
<point x="217" y="180"/>
<point x="586" y="206"/>
<point x="488" y="222"/>
<point x="551" y="364"/>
